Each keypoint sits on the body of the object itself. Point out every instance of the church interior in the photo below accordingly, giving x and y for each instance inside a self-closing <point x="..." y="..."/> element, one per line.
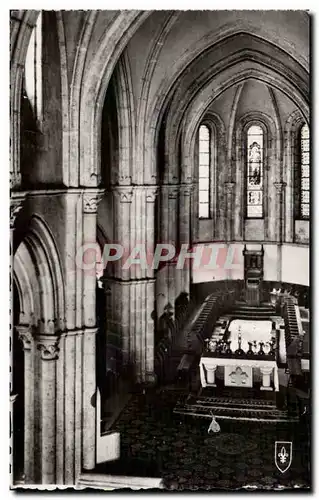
<point x="133" y="131"/>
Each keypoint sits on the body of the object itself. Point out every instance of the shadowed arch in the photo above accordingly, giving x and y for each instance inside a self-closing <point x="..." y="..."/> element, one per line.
<point x="38" y="243"/>
<point x="94" y="84"/>
<point x="22" y="24"/>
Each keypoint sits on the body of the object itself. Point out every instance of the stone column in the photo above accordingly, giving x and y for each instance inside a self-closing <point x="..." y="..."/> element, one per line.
<point x="149" y="228"/>
<point x="185" y="203"/>
<point x="131" y="288"/>
<point x="26" y="337"/>
<point x="48" y="347"/>
<point x="280" y="210"/>
<point x="91" y="199"/>
<point x="172" y="292"/>
<point x="16" y="203"/>
<point x="13" y="398"/>
<point x="280" y="222"/>
<point x="88" y="399"/>
<point x="229" y="223"/>
<point x="266" y="372"/>
<point x="168" y="235"/>
<point x="289" y="140"/>
<point x="70" y="376"/>
<point x="118" y="297"/>
<point x="149" y="232"/>
<point x="123" y="226"/>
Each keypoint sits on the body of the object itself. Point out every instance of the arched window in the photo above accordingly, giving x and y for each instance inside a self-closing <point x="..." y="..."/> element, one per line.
<point x="304" y="186"/>
<point x="254" y="172"/>
<point x="204" y="176"/>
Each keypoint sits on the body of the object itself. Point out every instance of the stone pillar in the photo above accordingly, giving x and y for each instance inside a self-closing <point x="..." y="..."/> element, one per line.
<point x="185" y="210"/>
<point x="168" y="235"/>
<point x="280" y="222"/>
<point x="16" y="203"/>
<point x="26" y="337"/>
<point x="131" y="294"/>
<point x="48" y="347"/>
<point x="123" y="223"/>
<point x="266" y="372"/>
<point x="229" y="223"/>
<point x="91" y="199"/>
<point x="280" y="210"/>
<point x="13" y="398"/>
<point x="289" y="140"/>
<point x="70" y="377"/>
<point x="89" y="399"/>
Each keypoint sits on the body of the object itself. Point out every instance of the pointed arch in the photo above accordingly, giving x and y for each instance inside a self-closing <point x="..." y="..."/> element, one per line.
<point x="126" y="121"/>
<point x="38" y="271"/>
<point x="22" y="24"/>
<point x="258" y="55"/>
<point x="94" y="85"/>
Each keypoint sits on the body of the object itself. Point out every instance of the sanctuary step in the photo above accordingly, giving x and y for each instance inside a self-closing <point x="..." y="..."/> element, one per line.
<point x="242" y="310"/>
<point x="233" y="408"/>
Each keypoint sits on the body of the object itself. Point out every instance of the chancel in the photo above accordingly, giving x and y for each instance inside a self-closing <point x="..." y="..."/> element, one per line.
<point x="159" y="217"/>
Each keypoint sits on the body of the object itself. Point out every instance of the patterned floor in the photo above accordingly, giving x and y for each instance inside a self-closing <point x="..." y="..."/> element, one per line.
<point x="187" y="457"/>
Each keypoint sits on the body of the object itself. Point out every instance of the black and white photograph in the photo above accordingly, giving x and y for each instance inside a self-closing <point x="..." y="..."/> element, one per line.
<point x="160" y="239"/>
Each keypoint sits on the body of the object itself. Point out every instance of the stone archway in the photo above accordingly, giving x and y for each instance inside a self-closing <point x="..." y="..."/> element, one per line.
<point x="38" y="322"/>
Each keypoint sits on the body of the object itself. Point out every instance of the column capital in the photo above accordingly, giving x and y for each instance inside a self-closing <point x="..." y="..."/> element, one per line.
<point x="15" y="179"/>
<point x="16" y="203"/>
<point x="48" y="346"/>
<point x="186" y="189"/>
<point x="172" y="190"/>
<point x="25" y="335"/>
<point x="151" y="193"/>
<point x="123" y="193"/>
<point x="280" y="186"/>
<point x="91" y="199"/>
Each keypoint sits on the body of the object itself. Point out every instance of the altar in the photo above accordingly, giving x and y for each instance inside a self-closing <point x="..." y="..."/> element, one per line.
<point x="245" y="351"/>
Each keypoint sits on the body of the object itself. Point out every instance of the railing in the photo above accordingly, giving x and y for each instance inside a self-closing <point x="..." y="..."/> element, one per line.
<point x="291" y="323"/>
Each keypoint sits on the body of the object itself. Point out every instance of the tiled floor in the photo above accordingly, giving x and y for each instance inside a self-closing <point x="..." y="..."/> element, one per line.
<point x="180" y="450"/>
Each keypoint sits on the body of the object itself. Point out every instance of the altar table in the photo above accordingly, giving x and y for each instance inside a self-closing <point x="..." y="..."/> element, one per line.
<point x="238" y="372"/>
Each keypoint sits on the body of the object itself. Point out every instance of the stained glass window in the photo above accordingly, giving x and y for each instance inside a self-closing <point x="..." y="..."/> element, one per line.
<point x="304" y="172"/>
<point x="204" y="172"/>
<point x="255" y="153"/>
